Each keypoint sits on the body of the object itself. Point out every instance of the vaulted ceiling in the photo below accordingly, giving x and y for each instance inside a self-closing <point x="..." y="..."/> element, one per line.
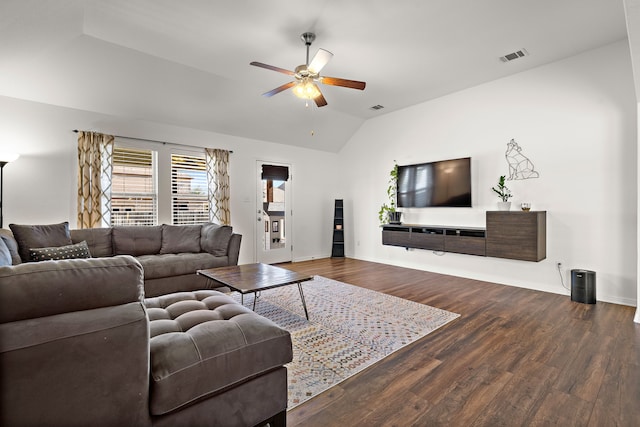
<point x="186" y="62"/>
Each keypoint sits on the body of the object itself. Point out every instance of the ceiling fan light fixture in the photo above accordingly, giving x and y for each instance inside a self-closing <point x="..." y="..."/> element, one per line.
<point x="306" y="89"/>
<point x="307" y="76"/>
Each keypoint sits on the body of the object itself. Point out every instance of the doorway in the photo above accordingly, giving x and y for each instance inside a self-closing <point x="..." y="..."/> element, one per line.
<point x="273" y="230"/>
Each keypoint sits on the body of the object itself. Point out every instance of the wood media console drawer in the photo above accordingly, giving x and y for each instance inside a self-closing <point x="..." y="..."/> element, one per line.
<point x="427" y="238"/>
<point x="471" y="242"/>
<point x="396" y="237"/>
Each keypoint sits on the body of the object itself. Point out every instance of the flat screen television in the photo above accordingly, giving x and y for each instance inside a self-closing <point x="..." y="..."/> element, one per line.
<point x="445" y="183"/>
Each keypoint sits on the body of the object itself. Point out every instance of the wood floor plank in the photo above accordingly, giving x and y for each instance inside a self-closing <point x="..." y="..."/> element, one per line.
<point x="460" y="403"/>
<point x="513" y="357"/>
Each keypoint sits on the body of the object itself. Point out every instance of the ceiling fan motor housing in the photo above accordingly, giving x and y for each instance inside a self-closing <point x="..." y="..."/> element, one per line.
<point x="308" y="38"/>
<point x="302" y="71"/>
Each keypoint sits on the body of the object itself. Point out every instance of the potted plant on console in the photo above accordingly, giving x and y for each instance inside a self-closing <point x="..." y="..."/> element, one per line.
<point x="388" y="213"/>
<point x="504" y="193"/>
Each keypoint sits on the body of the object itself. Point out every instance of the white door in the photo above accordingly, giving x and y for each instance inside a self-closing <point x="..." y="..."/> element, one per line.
<point x="273" y="219"/>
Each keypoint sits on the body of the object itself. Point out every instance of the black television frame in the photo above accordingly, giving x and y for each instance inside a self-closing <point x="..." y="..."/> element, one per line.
<point x="412" y="199"/>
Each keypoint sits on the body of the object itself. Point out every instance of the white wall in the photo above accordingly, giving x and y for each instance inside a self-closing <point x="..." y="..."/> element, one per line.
<point x="575" y="119"/>
<point x="40" y="187"/>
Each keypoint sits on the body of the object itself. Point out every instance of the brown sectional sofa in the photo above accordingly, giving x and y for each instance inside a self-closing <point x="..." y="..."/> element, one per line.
<point x="170" y="254"/>
<point x="79" y="346"/>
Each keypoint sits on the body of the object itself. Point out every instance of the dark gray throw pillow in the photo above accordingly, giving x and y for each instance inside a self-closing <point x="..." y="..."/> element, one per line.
<point x="39" y="236"/>
<point x="180" y="238"/>
<point x="78" y="250"/>
<point x="215" y="238"/>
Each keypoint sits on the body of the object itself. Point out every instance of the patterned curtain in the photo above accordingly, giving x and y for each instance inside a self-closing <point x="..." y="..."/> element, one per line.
<point x="218" y="180"/>
<point x="95" y="152"/>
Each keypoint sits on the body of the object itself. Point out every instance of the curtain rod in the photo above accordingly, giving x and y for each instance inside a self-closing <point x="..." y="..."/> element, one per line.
<point x="153" y="140"/>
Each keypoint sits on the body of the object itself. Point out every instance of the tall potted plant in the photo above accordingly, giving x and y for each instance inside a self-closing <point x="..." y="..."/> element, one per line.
<point x="388" y="213"/>
<point x="504" y="193"/>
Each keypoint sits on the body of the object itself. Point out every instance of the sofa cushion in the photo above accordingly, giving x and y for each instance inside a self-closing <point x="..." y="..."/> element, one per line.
<point x="194" y="334"/>
<point x="215" y="238"/>
<point x="39" y="236"/>
<point x="77" y="250"/>
<point x="137" y="240"/>
<point x="98" y="240"/>
<point x="170" y="265"/>
<point x="180" y="238"/>
<point x="5" y="255"/>
<point x="39" y="289"/>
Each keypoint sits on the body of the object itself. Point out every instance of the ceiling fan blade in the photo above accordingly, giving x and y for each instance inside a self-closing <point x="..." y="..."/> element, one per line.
<point x="352" y="84"/>
<point x="320" y="101"/>
<point x="271" y="67"/>
<point x="319" y="61"/>
<point x="279" y="89"/>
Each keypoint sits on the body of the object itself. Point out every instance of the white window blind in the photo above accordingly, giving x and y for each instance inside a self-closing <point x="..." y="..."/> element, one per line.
<point x="134" y="196"/>
<point x="189" y="192"/>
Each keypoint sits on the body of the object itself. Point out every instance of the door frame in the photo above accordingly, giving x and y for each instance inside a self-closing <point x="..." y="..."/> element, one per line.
<point x="285" y="254"/>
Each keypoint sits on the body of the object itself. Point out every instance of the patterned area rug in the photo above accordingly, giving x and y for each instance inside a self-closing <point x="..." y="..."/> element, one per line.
<point x="350" y="328"/>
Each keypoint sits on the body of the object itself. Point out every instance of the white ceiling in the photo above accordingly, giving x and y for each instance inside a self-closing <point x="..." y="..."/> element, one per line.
<point x="186" y="62"/>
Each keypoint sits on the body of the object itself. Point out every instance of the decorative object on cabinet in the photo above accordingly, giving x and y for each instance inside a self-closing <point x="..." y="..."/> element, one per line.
<point x="504" y="193"/>
<point x="388" y="213"/>
<point x="337" y="248"/>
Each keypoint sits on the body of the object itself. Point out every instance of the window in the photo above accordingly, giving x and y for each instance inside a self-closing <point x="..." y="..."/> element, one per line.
<point x="189" y="190"/>
<point x="134" y="196"/>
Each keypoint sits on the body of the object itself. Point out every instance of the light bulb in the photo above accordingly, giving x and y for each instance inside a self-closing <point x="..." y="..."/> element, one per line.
<point x="306" y="89"/>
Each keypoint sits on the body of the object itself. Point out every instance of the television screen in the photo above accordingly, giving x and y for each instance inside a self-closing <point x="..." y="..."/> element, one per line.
<point x="446" y="183"/>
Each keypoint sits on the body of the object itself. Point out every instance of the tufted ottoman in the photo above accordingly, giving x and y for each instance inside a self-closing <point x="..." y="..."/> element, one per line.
<point x="203" y="343"/>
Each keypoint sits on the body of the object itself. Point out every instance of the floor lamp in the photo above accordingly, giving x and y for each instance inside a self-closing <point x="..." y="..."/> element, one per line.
<point x="4" y="159"/>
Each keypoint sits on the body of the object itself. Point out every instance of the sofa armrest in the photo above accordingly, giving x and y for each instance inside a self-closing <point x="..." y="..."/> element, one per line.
<point x="47" y="288"/>
<point x="233" y="251"/>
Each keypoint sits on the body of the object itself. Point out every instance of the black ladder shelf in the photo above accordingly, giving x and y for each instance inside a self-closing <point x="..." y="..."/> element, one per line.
<point x="337" y="249"/>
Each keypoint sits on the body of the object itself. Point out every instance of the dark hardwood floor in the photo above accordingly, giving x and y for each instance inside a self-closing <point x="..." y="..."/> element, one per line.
<point x="515" y="357"/>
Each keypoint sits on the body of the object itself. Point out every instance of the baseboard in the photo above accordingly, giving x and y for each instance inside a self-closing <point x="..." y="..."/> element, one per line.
<point x="310" y="258"/>
<point x="560" y="291"/>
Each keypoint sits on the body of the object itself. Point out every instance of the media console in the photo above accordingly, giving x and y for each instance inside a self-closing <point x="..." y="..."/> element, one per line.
<point x="514" y="235"/>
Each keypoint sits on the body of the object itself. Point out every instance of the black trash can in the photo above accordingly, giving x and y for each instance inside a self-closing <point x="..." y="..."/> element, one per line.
<point x="583" y="286"/>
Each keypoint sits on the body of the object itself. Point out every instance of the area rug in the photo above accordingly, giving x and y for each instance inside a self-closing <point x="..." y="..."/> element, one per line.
<point x="350" y="328"/>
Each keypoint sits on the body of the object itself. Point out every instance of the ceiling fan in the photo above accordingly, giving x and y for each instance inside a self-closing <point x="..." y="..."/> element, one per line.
<point x="306" y="75"/>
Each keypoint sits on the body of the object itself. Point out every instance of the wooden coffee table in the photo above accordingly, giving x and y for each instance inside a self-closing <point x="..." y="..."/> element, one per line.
<point x="253" y="278"/>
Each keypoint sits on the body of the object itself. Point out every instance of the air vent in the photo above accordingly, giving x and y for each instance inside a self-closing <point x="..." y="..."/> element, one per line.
<point x="377" y="107"/>
<point x="515" y="55"/>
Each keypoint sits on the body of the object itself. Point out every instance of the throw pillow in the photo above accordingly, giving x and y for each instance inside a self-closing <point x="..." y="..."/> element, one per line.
<point x="78" y="250"/>
<point x="180" y="238"/>
<point x="39" y="236"/>
<point x="12" y="245"/>
<point x="215" y="238"/>
<point x="5" y="255"/>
